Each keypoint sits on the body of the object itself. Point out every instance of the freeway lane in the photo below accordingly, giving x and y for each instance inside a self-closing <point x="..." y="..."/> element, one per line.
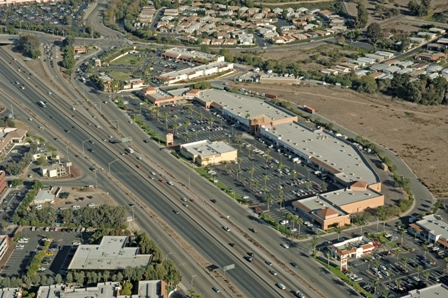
<point x="103" y="156"/>
<point x="179" y="256"/>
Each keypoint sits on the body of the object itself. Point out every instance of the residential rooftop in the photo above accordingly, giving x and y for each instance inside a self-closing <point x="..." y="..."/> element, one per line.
<point x="110" y="254"/>
<point x="343" y="158"/>
<point x="434" y="291"/>
<point x="242" y="105"/>
<point x="207" y="148"/>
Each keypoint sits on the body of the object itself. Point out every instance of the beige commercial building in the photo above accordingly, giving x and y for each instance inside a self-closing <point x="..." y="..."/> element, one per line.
<point x="160" y="97"/>
<point x="334" y="208"/>
<point x="352" y="248"/>
<point x="10" y="136"/>
<point x="205" y="152"/>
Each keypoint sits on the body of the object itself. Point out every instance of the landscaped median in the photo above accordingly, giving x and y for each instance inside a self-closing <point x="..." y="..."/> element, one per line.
<point x="37" y="260"/>
<point x="148" y="129"/>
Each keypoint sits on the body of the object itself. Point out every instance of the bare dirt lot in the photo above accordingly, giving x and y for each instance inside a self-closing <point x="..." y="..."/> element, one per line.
<point x="416" y="133"/>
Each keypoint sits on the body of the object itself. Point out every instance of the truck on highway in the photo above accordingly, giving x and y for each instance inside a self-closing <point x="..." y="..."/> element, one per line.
<point x="309" y="109"/>
<point x="129" y="150"/>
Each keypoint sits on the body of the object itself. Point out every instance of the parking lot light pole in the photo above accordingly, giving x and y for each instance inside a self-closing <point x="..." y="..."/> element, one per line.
<point x="112" y="163"/>
<point x="192" y="279"/>
<point x="83" y="144"/>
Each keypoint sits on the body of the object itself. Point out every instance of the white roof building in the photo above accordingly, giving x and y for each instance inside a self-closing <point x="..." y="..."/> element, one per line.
<point x="44" y="196"/>
<point x="110" y="254"/>
<point x="434" y="291"/>
<point x="10" y="292"/>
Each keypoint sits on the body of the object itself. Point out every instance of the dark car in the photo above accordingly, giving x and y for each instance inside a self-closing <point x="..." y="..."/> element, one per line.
<point x="249" y="259"/>
<point x="294" y="264"/>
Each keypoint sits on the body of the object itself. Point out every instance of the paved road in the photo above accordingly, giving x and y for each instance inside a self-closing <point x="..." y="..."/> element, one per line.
<point x="155" y="198"/>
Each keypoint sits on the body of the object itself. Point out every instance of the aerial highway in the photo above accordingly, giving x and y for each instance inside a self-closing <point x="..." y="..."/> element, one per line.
<point x="103" y="154"/>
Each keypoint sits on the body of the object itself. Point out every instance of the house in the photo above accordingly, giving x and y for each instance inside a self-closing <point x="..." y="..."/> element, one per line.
<point x="133" y="84"/>
<point x="437" y="31"/>
<point x="436" y="47"/>
<point x="417" y="40"/>
<point x="339" y="28"/>
<point x="377" y="75"/>
<point x="426" y="35"/>
<point x="80" y="49"/>
<point x="387" y="55"/>
<point x="443" y="41"/>
<point x="324" y="14"/>
<point x="321" y="33"/>
<point x="430" y="56"/>
<point x="377" y="58"/>
<point x="434" y="68"/>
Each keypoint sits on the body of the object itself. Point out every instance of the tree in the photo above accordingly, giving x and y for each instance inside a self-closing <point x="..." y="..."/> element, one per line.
<point x="106" y="275"/>
<point x="374" y="32"/>
<point x="386" y="294"/>
<point x="446" y="263"/>
<point x="41" y="160"/>
<point x="29" y="44"/>
<point x="281" y="199"/>
<point x="314" y="241"/>
<point x="405" y="262"/>
<point x="58" y="279"/>
<point x="268" y="200"/>
<point x="425" y="248"/>
<point x="340" y="39"/>
<point x="338" y="230"/>
<point x="328" y="255"/>
<point x="69" y="278"/>
<point x="127" y="288"/>
<point x="375" y="284"/>
<point x="362" y="17"/>
<point x="426" y="275"/>
<point x="381" y="215"/>
<point x="68" y="20"/>
<point x="299" y="222"/>
<point x="419" y="270"/>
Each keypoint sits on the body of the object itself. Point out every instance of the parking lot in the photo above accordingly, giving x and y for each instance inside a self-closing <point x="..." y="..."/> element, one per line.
<point x="261" y="168"/>
<point x="10" y="204"/>
<point x="51" y="14"/>
<point x="59" y="253"/>
<point x="411" y="269"/>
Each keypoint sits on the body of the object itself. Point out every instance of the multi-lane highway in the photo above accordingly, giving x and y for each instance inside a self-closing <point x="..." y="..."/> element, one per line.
<point x="199" y="236"/>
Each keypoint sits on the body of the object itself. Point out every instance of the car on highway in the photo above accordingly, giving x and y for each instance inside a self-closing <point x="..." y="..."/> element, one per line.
<point x="49" y="93"/>
<point x="161" y="180"/>
<point x="183" y="199"/>
<point x="273" y="272"/>
<point x="23" y="87"/>
<point x="151" y="177"/>
<point x="284" y="245"/>
<point x="176" y="211"/>
<point x="152" y="173"/>
<point x="192" y="200"/>
<point x="216" y="289"/>
<point x="280" y="286"/>
<point x="91" y="150"/>
<point x="294" y="264"/>
<point x="138" y="166"/>
<point x="268" y="263"/>
<point x="226" y="228"/>
<point x="213" y="201"/>
<point x="299" y="294"/>
<point x="185" y="205"/>
<point x="170" y="183"/>
<point x="250" y="259"/>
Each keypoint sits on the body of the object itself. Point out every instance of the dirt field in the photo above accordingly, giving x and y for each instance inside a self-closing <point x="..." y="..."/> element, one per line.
<point x="416" y="133"/>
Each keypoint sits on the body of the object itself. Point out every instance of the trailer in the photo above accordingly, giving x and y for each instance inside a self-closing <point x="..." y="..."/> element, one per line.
<point x="309" y="109"/>
<point x="273" y="96"/>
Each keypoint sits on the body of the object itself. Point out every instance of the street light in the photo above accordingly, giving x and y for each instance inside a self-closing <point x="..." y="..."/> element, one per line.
<point x="192" y="278"/>
<point x="83" y="144"/>
<point x="118" y="124"/>
<point x="99" y="102"/>
<point x="168" y="255"/>
<point x="112" y="163"/>
<point x="133" y="217"/>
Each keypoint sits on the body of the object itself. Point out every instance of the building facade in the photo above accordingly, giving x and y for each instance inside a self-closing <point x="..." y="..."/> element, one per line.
<point x="207" y="153"/>
<point x="352" y="248"/>
<point x="4" y="245"/>
<point x="3" y="183"/>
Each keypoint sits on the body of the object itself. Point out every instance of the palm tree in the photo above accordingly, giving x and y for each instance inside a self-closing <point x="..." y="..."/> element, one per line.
<point x="239" y="160"/>
<point x="446" y="263"/>
<point x="426" y="274"/>
<point x="387" y="294"/>
<point x="398" y="282"/>
<point x="190" y="110"/>
<point x="419" y="269"/>
<point x="268" y="200"/>
<point x="264" y="189"/>
<point x="314" y="241"/>
<point x="280" y="199"/>
<point x="398" y="253"/>
<point x="299" y="221"/>
<point x="265" y="178"/>
<point x="415" y="232"/>
<point x="402" y="233"/>
<point x="286" y="216"/>
<point x="405" y="262"/>
<point x="425" y="248"/>
<point x="251" y="172"/>
<point x="244" y="181"/>
<point x="186" y="124"/>
<point x="166" y="115"/>
<point x="261" y="214"/>
<point x="375" y="284"/>
<point x="377" y="264"/>
<point x="175" y="126"/>
<point x="328" y="255"/>
<point x="201" y="115"/>
<point x="338" y="230"/>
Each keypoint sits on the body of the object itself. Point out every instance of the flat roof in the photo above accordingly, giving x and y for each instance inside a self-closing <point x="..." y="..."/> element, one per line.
<point x="190" y="54"/>
<point x="178" y="92"/>
<point x="315" y="204"/>
<point x="434" y="291"/>
<point x="241" y="105"/>
<point x="110" y="254"/>
<point x="435" y="225"/>
<point x="43" y="196"/>
<point x="104" y="289"/>
<point x="328" y="149"/>
<point x="346" y="196"/>
<point x="9" y="292"/>
<point x="177" y="73"/>
<point x="207" y="148"/>
<point x="353" y="242"/>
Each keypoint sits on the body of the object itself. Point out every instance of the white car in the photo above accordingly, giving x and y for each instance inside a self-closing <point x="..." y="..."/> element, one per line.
<point x="20" y="246"/>
<point x="284" y="245"/>
<point x="284" y="221"/>
<point x="281" y="286"/>
<point x="76" y="206"/>
<point x="91" y="205"/>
